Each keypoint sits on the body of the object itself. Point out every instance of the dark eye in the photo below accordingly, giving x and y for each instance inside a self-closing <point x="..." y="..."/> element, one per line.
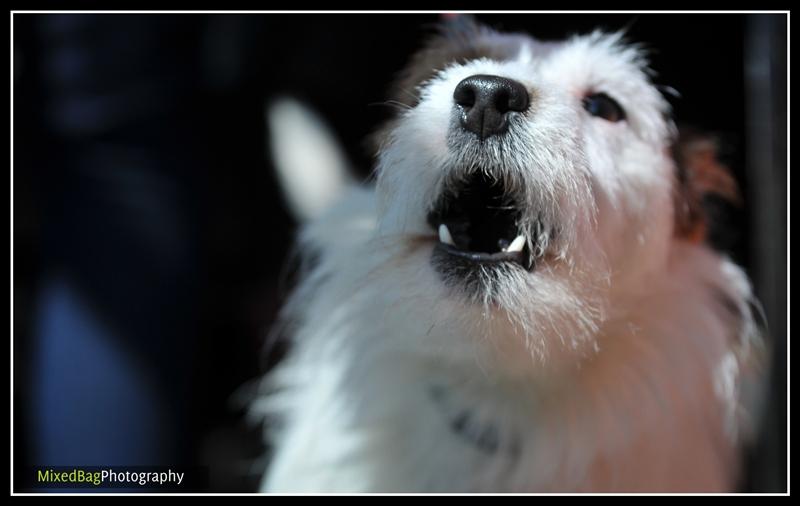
<point x="603" y="106"/>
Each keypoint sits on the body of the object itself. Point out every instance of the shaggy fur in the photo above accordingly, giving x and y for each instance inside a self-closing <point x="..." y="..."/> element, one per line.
<point x="620" y="362"/>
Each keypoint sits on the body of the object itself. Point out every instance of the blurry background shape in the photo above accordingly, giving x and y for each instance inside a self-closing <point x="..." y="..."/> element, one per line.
<point x="766" y="133"/>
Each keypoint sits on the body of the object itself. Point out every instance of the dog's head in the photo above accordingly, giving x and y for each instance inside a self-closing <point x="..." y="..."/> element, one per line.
<point x="536" y="179"/>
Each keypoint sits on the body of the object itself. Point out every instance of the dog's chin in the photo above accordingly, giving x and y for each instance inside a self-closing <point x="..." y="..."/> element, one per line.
<point x="535" y="322"/>
<point x="478" y="276"/>
<point x="515" y="322"/>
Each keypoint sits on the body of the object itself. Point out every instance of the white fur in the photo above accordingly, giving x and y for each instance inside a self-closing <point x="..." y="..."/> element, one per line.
<point x="298" y="138"/>
<point x="612" y="366"/>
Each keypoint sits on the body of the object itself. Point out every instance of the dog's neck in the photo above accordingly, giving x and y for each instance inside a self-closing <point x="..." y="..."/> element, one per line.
<point x="481" y="431"/>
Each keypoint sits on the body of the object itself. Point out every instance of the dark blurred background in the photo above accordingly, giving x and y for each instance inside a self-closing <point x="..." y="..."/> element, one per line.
<point x="150" y="234"/>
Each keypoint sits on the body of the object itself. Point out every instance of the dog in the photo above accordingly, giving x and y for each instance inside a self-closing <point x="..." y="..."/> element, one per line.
<point x="525" y="300"/>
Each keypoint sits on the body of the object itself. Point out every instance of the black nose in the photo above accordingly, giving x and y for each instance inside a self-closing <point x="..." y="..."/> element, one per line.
<point x="485" y="103"/>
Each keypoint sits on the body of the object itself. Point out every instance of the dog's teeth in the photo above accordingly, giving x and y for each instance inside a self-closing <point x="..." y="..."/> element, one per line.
<point x="444" y="235"/>
<point x="516" y="245"/>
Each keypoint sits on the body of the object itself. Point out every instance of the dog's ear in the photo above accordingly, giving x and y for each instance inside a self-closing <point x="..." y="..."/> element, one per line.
<point x="312" y="168"/>
<point x="700" y="176"/>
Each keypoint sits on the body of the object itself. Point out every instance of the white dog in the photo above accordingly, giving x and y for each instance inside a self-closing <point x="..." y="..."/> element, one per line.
<point x="524" y="302"/>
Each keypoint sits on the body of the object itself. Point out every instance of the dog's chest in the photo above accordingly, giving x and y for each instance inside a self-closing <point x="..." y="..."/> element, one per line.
<point x="580" y="444"/>
<point x="436" y="438"/>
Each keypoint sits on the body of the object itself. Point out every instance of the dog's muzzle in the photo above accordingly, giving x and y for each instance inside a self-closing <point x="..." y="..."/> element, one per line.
<point x="478" y="221"/>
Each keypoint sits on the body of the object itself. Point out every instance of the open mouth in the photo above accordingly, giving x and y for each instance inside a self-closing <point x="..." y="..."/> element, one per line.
<point x="478" y="222"/>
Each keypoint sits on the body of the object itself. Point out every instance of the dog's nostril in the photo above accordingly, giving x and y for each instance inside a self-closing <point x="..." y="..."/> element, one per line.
<point x="464" y="95"/>
<point x="502" y="102"/>
<point x="485" y="102"/>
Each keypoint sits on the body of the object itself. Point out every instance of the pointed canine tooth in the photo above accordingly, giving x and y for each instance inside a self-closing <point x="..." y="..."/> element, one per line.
<point x="444" y="235"/>
<point x="516" y="245"/>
